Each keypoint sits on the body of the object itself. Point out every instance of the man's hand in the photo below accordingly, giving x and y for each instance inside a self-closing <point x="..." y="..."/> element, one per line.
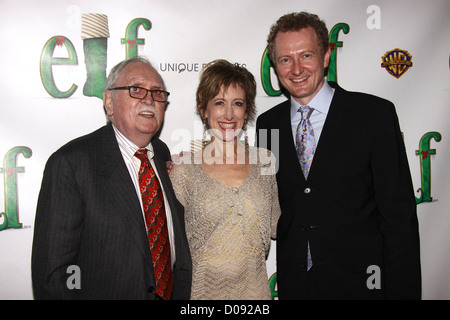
<point x="177" y="159"/>
<point x="169" y="165"/>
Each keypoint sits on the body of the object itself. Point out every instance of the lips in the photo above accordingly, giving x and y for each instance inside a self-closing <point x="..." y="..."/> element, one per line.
<point x="300" y="80"/>
<point x="147" y="114"/>
<point x="227" y="125"/>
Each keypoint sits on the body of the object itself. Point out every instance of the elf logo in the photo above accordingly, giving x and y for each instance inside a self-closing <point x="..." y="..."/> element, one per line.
<point x="95" y="34"/>
<point x="425" y="151"/>
<point x="9" y="219"/>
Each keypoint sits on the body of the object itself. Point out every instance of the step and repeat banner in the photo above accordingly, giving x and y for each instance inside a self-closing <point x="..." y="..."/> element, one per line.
<point x="53" y="70"/>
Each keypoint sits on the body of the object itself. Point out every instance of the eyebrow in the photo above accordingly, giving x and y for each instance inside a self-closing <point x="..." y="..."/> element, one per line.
<point x="140" y="84"/>
<point x="233" y="99"/>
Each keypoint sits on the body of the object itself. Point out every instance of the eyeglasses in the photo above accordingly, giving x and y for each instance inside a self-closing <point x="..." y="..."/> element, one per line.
<point x="141" y="93"/>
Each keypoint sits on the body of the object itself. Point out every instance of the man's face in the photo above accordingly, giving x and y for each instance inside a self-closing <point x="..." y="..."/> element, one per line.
<point x="137" y="119"/>
<point x="300" y="63"/>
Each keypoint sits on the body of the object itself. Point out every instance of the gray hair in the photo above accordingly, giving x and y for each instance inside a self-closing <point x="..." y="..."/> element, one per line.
<point x="117" y="69"/>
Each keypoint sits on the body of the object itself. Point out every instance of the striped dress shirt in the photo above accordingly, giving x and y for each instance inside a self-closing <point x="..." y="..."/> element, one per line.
<point x="128" y="149"/>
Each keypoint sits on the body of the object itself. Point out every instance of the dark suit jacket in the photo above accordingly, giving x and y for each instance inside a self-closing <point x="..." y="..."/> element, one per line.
<point x="357" y="208"/>
<point x="88" y="215"/>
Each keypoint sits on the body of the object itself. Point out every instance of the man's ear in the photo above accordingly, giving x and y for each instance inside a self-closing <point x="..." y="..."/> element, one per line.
<point x="326" y="58"/>
<point x="107" y="102"/>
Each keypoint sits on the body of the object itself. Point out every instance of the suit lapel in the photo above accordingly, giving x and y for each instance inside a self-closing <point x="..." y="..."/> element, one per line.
<point x="330" y="143"/>
<point x="162" y="170"/>
<point x="164" y="179"/>
<point x="287" y="144"/>
<point x="169" y="192"/>
<point x="330" y="146"/>
<point x="122" y="193"/>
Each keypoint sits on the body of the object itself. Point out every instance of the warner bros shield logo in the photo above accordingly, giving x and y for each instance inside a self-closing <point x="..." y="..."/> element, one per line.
<point x="397" y="62"/>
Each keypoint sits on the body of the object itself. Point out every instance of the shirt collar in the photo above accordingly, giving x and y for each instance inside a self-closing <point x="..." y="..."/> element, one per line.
<point x="129" y="146"/>
<point x="321" y="101"/>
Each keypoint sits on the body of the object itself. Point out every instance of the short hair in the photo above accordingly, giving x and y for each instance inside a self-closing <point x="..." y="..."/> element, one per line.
<point x="117" y="69"/>
<point x="294" y="22"/>
<point x="220" y="74"/>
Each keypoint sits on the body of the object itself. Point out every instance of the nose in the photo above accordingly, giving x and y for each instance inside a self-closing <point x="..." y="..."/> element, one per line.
<point x="148" y="99"/>
<point x="229" y="112"/>
<point x="297" y="67"/>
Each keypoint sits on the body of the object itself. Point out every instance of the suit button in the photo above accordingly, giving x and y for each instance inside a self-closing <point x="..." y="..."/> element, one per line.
<point x="151" y="289"/>
<point x="307" y="190"/>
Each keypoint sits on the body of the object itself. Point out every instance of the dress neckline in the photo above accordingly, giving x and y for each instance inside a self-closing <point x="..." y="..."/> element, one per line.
<point x="203" y="171"/>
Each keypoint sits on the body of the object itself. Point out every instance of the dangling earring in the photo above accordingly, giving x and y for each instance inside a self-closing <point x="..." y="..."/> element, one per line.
<point x="244" y="127"/>
<point x="205" y="128"/>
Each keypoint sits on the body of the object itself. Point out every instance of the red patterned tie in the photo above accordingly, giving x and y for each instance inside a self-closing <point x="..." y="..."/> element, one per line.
<point x="155" y="219"/>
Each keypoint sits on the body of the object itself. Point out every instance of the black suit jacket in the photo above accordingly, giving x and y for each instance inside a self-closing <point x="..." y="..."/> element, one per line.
<point x="357" y="208"/>
<point x="88" y="215"/>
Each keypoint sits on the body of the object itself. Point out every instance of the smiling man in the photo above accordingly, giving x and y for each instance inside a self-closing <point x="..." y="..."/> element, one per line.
<point x="107" y="205"/>
<point x="347" y="200"/>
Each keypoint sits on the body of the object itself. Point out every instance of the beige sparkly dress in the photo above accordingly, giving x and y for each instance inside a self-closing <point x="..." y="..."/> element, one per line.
<point x="229" y="228"/>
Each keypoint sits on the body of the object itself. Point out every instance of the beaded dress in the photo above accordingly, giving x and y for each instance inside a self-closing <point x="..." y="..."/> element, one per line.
<point x="229" y="228"/>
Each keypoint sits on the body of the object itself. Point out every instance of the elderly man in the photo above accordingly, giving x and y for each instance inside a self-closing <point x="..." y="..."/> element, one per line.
<point x="348" y="228"/>
<point x="107" y="209"/>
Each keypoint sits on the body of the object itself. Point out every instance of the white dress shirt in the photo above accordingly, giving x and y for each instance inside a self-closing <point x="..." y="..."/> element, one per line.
<point x="321" y="104"/>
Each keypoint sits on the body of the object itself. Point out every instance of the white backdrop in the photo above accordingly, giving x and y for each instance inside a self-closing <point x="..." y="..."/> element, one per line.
<point x="187" y="34"/>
